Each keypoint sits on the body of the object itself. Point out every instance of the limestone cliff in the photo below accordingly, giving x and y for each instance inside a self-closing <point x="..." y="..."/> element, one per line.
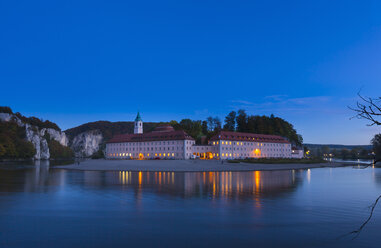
<point x="38" y="136"/>
<point x="86" y="143"/>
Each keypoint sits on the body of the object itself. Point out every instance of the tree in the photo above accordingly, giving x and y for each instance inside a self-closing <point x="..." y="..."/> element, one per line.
<point x="2" y="150"/>
<point x="204" y="127"/>
<point x="214" y="124"/>
<point x="230" y="121"/>
<point x="325" y="150"/>
<point x="241" y="121"/>
<point x="344" y="153"/>
<point x="376" y="142"/>
<point x="369" y="109"/>
<point x="354" y="153"/>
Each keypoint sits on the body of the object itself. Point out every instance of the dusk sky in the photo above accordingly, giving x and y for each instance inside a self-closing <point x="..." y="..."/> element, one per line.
<point x="79" y="61"/>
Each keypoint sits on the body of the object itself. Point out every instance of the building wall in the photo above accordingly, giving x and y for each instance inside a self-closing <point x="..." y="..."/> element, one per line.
<point x="184" y="149"/>
<point x="245" y="149"/>
<point x="171" y="149"/>
<point x="297" y="154"/>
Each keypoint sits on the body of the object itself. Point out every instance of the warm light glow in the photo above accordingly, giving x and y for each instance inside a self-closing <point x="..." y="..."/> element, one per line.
<point x="257" y="152"/>
<point x="147" y="154"/>
<point x="155" y="154"/>
<point x="173" y="154"/>
<point x="214" y="142"/>
<point x="223" y="142"/>
<point x="230" y="143"/>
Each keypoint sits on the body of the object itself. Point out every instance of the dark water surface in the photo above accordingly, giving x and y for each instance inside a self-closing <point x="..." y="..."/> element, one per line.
<point x="46" y="207"/>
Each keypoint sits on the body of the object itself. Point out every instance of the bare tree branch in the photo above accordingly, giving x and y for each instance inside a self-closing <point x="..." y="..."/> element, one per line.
<point x="372" y="207"/>
<point x="368" y="109"/>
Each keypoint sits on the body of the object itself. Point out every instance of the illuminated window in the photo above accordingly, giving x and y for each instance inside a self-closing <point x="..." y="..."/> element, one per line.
<point x="168" y="154"/>
<point x="159" y="154"/>
<point x="226" y="154"/>
<point x="241" y="143"/>
<point x="218" y="154"/>
<point x="164" y="154"/>
<point x="155" y="154"/>
<point x="230" y="143"/>
<point x="223" y="142"/>
<point x="230" y="154"/>
<point x="214" y="142"/>
<point x="147" y="154"/>
<point x="173" y="154"/>
<point x="217" y="142"/>
<point x="223" y="155"/>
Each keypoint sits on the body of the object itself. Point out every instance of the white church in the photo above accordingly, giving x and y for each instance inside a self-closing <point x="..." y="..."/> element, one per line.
<point x="164" y="142"/>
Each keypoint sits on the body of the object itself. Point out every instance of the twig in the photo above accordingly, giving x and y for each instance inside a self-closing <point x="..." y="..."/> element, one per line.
<point x="373" y="206"/>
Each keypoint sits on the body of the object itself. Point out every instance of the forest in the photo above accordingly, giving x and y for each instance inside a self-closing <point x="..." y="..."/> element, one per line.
<point x="202" y="130"/>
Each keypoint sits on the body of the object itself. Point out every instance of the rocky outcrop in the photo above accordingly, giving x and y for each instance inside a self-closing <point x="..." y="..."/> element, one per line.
<point x="37" y="136"/>
<point x="58" y="136"/>
<point x="83" y="144"/>
<point x="87" y="143"/>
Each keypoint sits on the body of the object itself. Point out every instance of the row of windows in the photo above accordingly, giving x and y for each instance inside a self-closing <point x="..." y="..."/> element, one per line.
<point x="246" y="143"/>
<point x="172" y="148"/>
<point x="145" y="143"/>
<point x="248" y="149"/>
<point x="144" y="155"/>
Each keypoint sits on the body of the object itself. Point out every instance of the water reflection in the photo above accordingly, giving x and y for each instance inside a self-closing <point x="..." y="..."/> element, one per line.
<point x="213" y="184"/>
<point x="240" y="185"/>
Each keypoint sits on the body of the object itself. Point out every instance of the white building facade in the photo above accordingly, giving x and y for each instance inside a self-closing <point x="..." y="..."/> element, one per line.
<point x="166" y="143"/>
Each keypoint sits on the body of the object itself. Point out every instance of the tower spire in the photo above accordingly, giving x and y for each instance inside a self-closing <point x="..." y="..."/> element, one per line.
<point x="138" y="125"/>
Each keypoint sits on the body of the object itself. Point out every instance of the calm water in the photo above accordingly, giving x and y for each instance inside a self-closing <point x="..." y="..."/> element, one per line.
<point x="46" y="207"/>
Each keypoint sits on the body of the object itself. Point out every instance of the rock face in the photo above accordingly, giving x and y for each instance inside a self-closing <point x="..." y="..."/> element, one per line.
<point x="84" y="144"/>
<point x="37" y="136"/>
<point x="87" y="143"/>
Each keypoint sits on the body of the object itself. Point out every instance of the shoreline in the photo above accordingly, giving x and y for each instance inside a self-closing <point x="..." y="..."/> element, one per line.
<point x="188" y="166"/>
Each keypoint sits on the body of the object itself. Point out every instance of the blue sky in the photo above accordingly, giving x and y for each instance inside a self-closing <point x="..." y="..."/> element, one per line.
<point x="78" y="61"/>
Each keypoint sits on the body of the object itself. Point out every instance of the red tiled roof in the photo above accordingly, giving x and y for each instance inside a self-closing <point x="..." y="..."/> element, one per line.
<point x="227" y="135"/>
<point x="152" y="136"/>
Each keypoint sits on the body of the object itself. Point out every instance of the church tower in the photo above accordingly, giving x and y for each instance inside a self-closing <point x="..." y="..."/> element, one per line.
<point x="138" y="125"/>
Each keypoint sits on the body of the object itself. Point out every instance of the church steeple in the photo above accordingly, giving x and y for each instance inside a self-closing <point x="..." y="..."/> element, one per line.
<point x="138" y="125"/>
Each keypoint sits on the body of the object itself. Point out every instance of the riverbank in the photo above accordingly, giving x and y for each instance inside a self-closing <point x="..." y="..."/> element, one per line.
<point x="186" y="165"/>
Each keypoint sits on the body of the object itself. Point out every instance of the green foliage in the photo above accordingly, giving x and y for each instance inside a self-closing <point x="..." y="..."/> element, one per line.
<point x="262" y="125"/>
<point x="31" y="120"/>
<point x="109" y="129"/>
<point x="213" y="124"/>
<point x="6" y="109"/>
<point x="2" y="150"/>
<point x="13" y="143"/>
<point x="58" y="151"/>
<point x="344" y="154"/>
<point x="230" y="121"/>
<point x="193" y="128"/>
<point x="98" y="155"/>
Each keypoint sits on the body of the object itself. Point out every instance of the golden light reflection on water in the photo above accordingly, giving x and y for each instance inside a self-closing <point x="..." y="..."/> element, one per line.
<point x="252" y="185"/>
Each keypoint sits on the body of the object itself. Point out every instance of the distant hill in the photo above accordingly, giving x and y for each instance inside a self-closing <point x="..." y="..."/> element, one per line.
<point x="338" y="147"/>
<point x="109" y="129"/>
